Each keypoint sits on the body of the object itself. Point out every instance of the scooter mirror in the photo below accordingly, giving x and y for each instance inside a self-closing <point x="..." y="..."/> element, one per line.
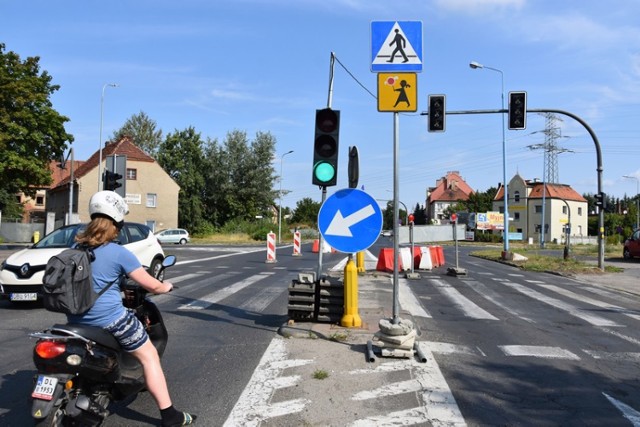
<point x="168" y="261"/>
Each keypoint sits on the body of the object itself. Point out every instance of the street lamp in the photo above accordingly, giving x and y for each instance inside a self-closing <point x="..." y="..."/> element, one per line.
<point x="637" y="198"/>
<point x="476" y="65"/>
<point x="280" y="204"/>
<point x="100" y="143"/>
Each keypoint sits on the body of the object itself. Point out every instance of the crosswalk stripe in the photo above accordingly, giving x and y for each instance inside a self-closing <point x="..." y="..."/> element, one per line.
<point x="622" y="356"/>
<point x="462" y="302"/>
<point x="537" y="351"/>
<point x="262" y="299"/>
<point x="597" y="303"/>
<point x="494" y="297"/>
<point x="221" y="294"/>
<point x="408" y="300"/>
<point x="572" y="310"/>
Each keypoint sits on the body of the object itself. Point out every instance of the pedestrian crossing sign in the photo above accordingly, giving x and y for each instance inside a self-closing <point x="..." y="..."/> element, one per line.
<point x="396" y="46"/>
<point x="397" y="92"/>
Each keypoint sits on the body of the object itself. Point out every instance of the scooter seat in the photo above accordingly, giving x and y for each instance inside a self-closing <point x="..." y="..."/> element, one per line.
<point x="93" y="333"/>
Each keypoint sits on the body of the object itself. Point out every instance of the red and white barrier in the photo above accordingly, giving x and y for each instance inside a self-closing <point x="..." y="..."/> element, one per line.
<point x="296" y="244"/>
<point x="271" y="247"/>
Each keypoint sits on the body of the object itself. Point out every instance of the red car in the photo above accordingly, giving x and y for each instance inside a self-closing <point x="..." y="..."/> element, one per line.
<point x="632" y="246"/>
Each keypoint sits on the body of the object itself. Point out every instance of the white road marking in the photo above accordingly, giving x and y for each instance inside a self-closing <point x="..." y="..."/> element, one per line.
<point x="234" y="253"/>
<point x="398" y="418"/>
<point x="627" y="411"/>
<point x="262" y="299"/>
<point x="572" y="310"/>
<point x="494" y="297"/>
<point x="537" y="351"/>
<point x="591" y="301"/>
<point x="408" y="300"/>
<point x="463" y="303"/>
<point x="253" y="406"/>
<point x="447" y="348"/>
<point x="221" y="294"/>
<point x="621" y="336"/>
<point x="619" y="357"/>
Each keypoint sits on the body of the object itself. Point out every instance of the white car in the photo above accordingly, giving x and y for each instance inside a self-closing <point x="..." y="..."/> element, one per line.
<point x="173" y="235"/>
<point x="21" y="274"/>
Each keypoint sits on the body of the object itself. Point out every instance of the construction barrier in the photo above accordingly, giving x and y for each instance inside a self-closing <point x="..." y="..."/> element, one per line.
<point x="405" y="259"/>
<point x="325" y="247"/>
<point x="296" y="244"/>
<point x="385" y="260"/>
<point x="271" y="247"/>
<point x="425" y="262"/>
<point x="440" y="255"/>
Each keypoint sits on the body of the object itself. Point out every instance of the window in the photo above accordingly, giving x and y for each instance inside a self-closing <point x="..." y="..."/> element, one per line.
<point x="539" y="209"/>
<point x="516" y="216"/>
<point x="132" y="174"/>
<point x="579" y="211"/>
<point x="564" y="210"/>
<point x="516" y="197"/>
<point x="151" y="200"/>
<point x="152" y="225"/>
<point x="39" y="200"/>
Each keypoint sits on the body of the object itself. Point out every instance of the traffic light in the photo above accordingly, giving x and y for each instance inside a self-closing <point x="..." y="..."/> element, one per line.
<point x="437" y="113"/>
<point x="354" y="167"/>
<point x="517" y="110"/>
<point x="325" y="147"/>
<point x="601" y="200"/>
<point x="111" y="180"/>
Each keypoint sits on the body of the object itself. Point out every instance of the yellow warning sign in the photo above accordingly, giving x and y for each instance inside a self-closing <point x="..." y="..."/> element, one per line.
<point x="397" y="92"/>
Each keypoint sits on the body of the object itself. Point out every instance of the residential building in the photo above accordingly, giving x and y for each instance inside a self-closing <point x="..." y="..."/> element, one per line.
<point x="152" y="195"/>
<point x="535" y="206"/>
<point x="449" y="190"/>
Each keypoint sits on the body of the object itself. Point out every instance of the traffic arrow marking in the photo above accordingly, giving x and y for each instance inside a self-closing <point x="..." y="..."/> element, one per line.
<point x="340" y="226"/>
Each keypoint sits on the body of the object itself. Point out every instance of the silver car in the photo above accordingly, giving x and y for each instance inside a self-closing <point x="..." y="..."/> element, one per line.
<point x="173" y="235"/>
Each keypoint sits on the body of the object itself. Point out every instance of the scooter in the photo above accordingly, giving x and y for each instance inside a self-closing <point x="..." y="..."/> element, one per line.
<point x="81" y="369"/>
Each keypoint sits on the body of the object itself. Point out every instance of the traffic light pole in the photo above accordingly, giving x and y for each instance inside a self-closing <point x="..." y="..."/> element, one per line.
<point x="599" y="168"/>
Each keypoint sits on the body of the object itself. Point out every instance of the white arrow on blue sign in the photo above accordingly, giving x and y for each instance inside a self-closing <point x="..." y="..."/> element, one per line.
<point x="350" y="220"/>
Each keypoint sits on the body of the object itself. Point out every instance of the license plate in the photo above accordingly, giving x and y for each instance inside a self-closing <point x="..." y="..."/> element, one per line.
<point x="45" y="386"/>
<point x="31" y="296"/>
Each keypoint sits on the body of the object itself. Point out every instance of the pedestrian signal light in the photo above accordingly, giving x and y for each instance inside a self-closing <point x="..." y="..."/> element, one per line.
<point x="437" y="113"/>
<point x="111" y="180"/>
<point x="601" y="200"/>
<point x="517" y="110"/>
<point x="325" y="147"/>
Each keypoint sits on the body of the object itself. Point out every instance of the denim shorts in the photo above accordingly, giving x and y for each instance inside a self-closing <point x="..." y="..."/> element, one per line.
<point x="129" y="332"/>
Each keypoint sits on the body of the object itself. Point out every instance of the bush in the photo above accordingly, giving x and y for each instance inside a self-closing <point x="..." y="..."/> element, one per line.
<point x="488" y="237"/>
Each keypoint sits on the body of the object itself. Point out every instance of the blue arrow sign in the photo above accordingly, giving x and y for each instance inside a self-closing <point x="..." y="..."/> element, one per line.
<point x="350" y="220"/>
<point x="396" y="46"/>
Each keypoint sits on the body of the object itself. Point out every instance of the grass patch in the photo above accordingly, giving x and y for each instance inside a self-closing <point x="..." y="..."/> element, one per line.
<point x="545" y="263"/>
<point x="224" y="238"/>
<point x="339" y="336"/>
<point x="320" y="374"/>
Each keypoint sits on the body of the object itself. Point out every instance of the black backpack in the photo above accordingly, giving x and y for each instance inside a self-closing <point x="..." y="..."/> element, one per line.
<point x="68" y="283"/>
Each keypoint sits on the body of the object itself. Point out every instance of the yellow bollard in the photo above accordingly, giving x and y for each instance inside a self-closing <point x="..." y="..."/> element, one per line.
<point x="36" y="236"/>
<point x="351" y="318"/>
<point x="360" y="262"/>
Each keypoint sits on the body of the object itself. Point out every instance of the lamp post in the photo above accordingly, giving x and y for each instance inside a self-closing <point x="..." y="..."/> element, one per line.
<point x="637" y="198"/>
<point x="100" y="143"/>
<point x="476" y="65"/>
<point x="280" y="194"/>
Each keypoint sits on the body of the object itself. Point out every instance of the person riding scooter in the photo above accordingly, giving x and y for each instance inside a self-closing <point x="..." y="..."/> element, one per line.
<point x="107" y="210"/>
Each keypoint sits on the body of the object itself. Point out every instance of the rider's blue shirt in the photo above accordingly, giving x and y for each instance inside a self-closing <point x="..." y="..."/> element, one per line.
<point x="112" y="262"/>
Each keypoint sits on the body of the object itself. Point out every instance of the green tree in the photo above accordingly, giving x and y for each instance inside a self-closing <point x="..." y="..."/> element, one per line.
<point x="239" y="177"/>
<point x="387" y="216"/>
<point x="142" y="130"/>
<point x="181" y="155"/>
<point x="32" y="133"/>
<point x="306" y="212"/>
<point x="419" y="215"/>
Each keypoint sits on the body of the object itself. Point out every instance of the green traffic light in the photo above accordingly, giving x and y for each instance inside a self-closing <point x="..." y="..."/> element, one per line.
<point x="324" y="171"/>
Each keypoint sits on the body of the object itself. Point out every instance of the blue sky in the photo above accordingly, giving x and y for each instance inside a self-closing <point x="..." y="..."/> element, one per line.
<point x="263" y="65"/>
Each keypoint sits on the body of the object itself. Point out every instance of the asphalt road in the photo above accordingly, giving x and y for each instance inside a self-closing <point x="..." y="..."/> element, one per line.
<point x="509" y="347"/>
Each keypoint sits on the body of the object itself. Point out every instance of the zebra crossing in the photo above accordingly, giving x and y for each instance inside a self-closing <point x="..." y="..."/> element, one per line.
<point x="473" y="299"/>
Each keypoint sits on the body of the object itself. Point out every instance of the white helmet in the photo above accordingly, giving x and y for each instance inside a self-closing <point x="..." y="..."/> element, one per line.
<point x="110" y="204"/>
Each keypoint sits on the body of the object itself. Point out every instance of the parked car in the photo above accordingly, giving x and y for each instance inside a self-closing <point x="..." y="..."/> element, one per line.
<point x="21" y="274"/>
<point x="632" y="246"/>
<point x="173" y="235"/>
